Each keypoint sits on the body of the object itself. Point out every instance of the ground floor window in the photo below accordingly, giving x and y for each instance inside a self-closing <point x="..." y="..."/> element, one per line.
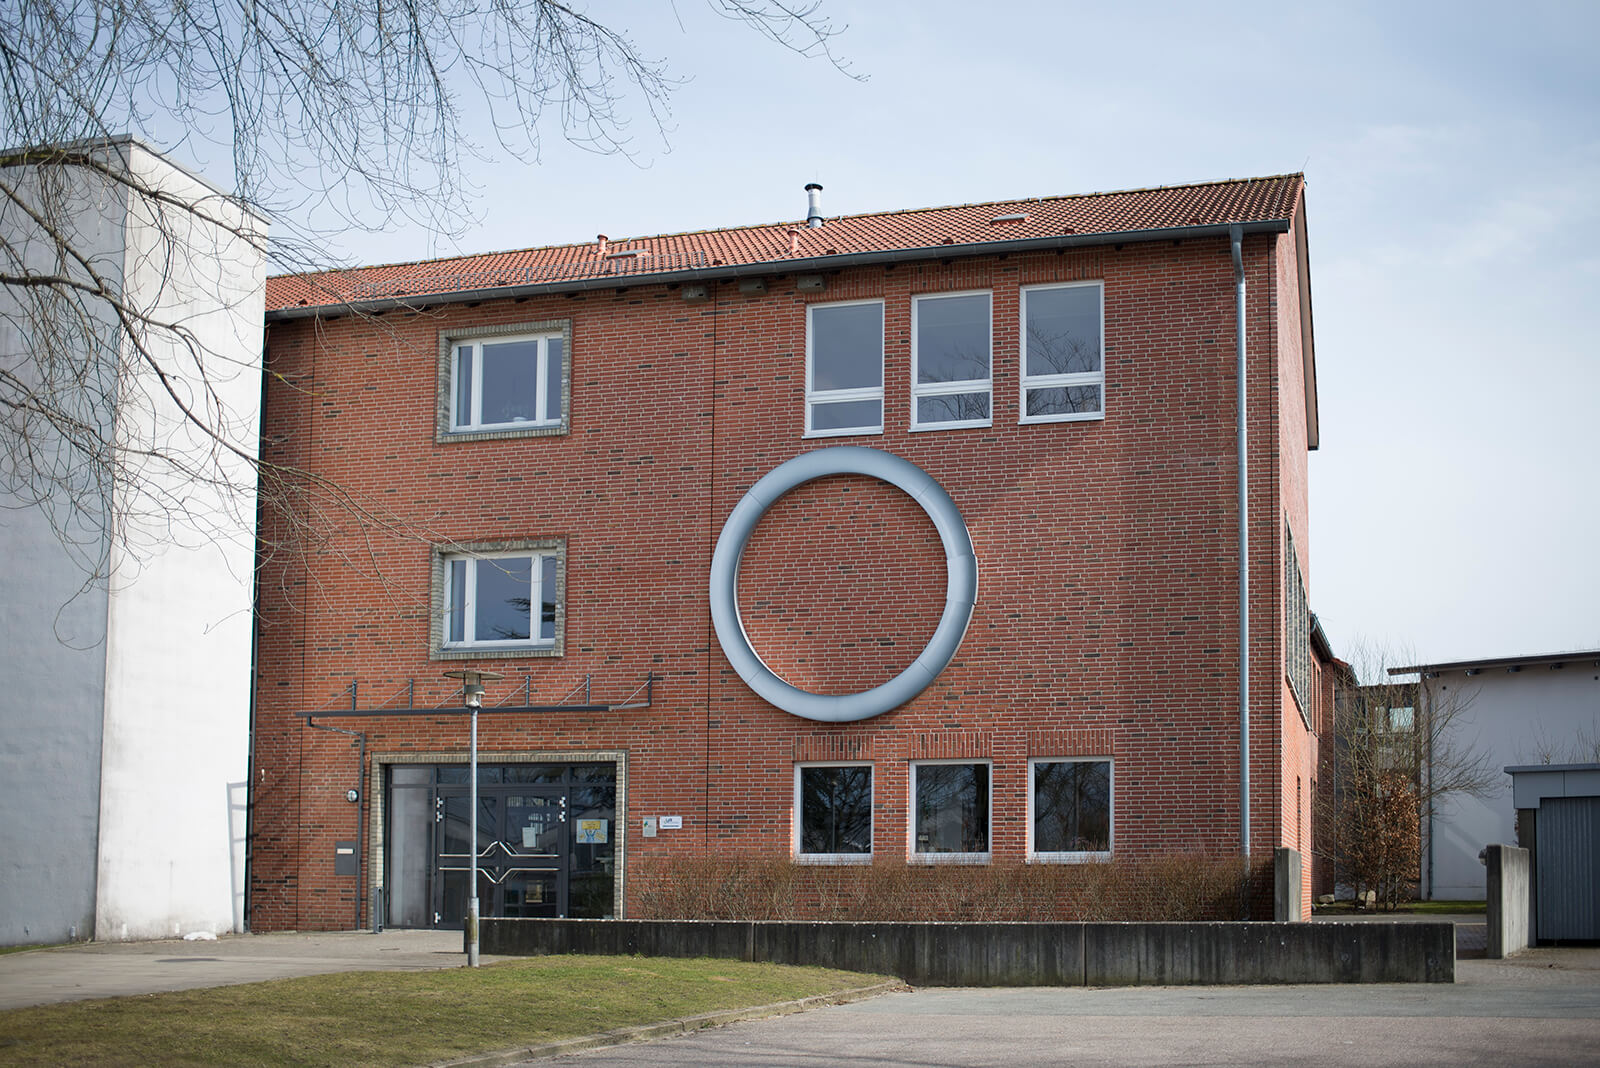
<point x="833" y="806"/>
<point x="1070" y="809"/>
<point x="546" y="842"/>
<point x="951" y="811"/>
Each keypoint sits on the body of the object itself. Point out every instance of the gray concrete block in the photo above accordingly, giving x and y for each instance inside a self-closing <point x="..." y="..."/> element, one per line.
<point x="1506" y="899"/>
<point x="1286" y="886"/>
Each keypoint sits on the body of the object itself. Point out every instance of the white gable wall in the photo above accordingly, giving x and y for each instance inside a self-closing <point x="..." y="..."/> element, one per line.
<point x="1530" y="716"/>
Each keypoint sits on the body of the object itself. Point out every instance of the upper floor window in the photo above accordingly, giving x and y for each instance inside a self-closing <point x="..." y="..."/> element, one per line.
<point x="950" y="358"/>
<point x="1063" y="374"/>
<point x="499" y="598"/>
<point x="504" y="381"/>
<point x="1296" y="627"/>
<point x="1069" y="810"/>
<point x="844" y="368"/>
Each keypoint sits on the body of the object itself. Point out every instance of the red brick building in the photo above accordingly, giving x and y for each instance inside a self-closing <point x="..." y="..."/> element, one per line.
<point x="524" y="462"/>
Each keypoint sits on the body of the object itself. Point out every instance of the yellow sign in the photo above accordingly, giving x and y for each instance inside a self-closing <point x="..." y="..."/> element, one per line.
<point x="594" y="832"/>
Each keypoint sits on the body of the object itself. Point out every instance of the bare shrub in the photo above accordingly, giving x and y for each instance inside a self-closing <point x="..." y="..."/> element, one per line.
<point x="755" y="887"/>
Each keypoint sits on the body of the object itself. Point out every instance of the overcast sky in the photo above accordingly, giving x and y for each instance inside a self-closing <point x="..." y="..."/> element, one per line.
<point x="1452" y="155"/>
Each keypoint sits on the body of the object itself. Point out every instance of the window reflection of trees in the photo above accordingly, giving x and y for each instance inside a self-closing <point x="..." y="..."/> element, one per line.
<point x="836" y="810"/>
<point x="948" y="364"/>
<point x="1068" y="351"/>
<point x="952" y="808"/>
<point x="1072" y="807"/>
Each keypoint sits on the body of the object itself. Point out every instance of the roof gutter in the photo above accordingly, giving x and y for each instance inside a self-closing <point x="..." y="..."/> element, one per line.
<point x="784" y="266"/>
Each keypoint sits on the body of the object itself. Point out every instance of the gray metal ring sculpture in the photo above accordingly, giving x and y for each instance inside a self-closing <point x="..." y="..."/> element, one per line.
<point x="961" y="583"/>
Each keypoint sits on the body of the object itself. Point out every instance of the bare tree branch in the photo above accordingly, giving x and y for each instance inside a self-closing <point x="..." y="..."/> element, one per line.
<point x="335" y="114"/>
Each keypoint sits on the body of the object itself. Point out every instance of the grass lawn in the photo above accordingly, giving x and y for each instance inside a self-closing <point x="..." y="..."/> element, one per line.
<point x="1443" y="907"/>
<point x="23" y="949"/>
<point x="396" y="1018"/>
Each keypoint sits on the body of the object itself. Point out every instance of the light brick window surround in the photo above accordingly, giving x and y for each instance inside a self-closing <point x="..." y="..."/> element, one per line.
<point x="512" y="380"/>
<point x="500" y="599"/>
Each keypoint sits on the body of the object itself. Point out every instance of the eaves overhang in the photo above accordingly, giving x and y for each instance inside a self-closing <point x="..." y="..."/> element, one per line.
<point x="1541" y="660"/>
<point x="797" y="265"/>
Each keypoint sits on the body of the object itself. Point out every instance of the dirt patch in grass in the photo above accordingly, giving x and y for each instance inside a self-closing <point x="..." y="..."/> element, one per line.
<point x="389" y="1018"/>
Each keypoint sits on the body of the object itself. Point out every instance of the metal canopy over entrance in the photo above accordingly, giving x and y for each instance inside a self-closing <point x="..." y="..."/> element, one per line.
<point x="410" y="708"/>
<point x="514" y="880"/>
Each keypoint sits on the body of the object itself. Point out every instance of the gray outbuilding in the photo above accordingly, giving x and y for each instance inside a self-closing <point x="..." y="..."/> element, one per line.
<point x="1558" y="822"/>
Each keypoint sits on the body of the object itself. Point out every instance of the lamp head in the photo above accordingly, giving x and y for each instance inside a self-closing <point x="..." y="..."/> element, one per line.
<point x="472" y="684"/>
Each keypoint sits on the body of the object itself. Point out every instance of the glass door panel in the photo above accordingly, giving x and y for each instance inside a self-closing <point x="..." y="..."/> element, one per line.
<point x="530" y="893"/>
<point x="534" y="824"/>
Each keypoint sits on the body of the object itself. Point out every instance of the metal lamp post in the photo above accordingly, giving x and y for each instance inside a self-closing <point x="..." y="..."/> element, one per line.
<point x="472" y="695"/>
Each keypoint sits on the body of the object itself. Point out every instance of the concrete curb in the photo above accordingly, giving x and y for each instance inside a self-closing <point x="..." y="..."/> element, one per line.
<point x="683" y="1025"/>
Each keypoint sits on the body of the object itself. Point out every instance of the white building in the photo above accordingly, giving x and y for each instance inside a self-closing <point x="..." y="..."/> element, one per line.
<point x="125" y="644"/>
<point x="1518" y="710"/>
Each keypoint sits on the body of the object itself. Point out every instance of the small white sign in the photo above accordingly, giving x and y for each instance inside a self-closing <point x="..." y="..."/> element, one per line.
<point x="671" y="823"/>
<point x="649" y="826"/>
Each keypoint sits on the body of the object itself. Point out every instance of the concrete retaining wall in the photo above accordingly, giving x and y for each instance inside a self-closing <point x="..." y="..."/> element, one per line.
<point x="1023" y="954"/>
<point x="1507" y="900"/>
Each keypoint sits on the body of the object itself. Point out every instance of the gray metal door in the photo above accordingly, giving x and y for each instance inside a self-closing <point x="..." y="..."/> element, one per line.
<point x="1569" y="869"/>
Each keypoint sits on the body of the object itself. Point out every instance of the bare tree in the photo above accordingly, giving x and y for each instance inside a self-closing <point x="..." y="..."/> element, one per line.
<point x="1395" y="758"/>
<point x="1582" y="746"/>
<point x="336" y="114"/>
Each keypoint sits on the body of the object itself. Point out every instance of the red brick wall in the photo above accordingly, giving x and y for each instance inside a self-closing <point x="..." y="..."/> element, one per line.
<point x="1298" y="764"/>
<point x="1106" y="615"/>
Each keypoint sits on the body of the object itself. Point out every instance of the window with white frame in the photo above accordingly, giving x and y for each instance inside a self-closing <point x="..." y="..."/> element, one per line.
<point x="950" y="811"/>
<point x="844" y="368"/>
<point x="1296" y="627"/>
<point x="499" y="599"/>
<point x="950" y="361"/>
<point x="1069" y="809"/>
<point x="1063" y="341"/>
<point x="504" y="381"/>
<point x="833" y="812"/>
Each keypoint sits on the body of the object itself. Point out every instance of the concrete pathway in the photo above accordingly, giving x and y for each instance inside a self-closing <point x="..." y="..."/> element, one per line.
<point x="118" y="969"/>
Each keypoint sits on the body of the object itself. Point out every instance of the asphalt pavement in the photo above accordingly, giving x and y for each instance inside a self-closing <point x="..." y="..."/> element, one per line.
<point x="1539" y="1008"/>
<point x="118" y="969"/>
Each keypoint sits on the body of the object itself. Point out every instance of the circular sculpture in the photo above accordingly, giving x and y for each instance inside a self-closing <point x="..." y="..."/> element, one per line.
<point x="961" y="583"/>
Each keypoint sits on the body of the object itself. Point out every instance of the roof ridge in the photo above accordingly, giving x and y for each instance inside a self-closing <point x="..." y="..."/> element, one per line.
<point x="620" y="243"/>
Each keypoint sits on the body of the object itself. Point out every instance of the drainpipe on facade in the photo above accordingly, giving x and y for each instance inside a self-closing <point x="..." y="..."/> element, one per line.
<point x="1241" y="439"/>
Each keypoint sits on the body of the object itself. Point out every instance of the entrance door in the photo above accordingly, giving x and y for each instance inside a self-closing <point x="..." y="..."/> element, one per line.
<point x="522" y="852"/>
<point x="545" y="845"/>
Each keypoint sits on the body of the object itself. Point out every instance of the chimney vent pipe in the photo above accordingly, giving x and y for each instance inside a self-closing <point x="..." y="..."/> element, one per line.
<point x="813" y="205"/>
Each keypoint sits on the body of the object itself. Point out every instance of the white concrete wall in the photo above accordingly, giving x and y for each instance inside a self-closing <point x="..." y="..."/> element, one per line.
<point x="125" y="663"/>
<point x="52" y="613"/>
<point x="179" y="625"/>
<point x="1531" y="716"/>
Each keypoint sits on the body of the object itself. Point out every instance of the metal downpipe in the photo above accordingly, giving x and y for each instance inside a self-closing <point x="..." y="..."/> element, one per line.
<point x="1241" y="443"/>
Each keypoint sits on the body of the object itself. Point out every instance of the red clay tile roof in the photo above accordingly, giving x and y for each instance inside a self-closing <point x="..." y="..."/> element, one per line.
<point x="1248" y="200"/>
